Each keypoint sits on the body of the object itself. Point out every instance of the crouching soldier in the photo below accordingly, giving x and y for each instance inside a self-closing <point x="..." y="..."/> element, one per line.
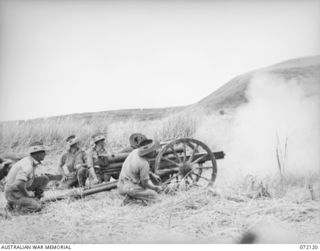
<point x="72" y="165"/>
<point x="97" y="159"/>
<point x="23" y="190"/>
<point x="134" y="180"/>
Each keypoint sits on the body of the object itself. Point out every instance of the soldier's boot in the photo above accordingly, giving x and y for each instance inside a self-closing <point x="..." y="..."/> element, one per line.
<point x="127" y="200"/>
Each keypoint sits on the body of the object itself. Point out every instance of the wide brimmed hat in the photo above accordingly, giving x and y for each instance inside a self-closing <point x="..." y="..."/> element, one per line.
<point x="37" y="147"/>
<point x="135" y="139"/>
<point x="148" y="146"/>
<point x="98" y="137"/>
<point x="71" y="140"/>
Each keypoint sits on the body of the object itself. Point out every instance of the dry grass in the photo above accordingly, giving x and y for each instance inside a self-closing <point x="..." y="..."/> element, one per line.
<point x="195" y="216"/>
<point x="16" y="136"/>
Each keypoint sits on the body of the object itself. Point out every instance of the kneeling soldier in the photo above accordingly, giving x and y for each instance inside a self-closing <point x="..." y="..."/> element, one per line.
<point x="72" y="165"/>
<point x="23" y="190"/>
<point x="134" y="180"/>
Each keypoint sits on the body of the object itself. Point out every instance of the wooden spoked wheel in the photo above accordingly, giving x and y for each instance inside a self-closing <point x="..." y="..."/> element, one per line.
<point x="186" y="161"/>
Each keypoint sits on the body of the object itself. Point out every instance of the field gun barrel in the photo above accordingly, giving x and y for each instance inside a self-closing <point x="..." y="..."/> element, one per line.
<point x="100" y="188"/>
<point x="116" y="159"/>
<point x="80" y="192"/>
<point x="115" y="167"/>
<point x="121" y="157"/>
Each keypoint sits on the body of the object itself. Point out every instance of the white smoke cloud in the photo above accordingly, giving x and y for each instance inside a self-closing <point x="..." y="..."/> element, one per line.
<point x="288" y="110"/>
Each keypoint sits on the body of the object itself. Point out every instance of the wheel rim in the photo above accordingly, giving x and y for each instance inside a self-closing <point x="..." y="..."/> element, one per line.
<point x="188" y="161"/>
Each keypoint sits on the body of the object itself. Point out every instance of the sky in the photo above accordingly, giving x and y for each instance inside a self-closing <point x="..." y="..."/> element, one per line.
<point x="61" y="57"/>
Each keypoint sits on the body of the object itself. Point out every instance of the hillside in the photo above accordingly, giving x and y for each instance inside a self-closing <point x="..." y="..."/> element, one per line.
<point x="232" y="94"/>
<point x="112" y="115"/>
<point x="229" y="96"/>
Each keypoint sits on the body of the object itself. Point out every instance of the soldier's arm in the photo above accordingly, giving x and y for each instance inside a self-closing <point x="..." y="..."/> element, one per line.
<point x="155" y="176"/>
<point x="148" y="184"/>
<point x="145" y="179"/>
<point x="21" y="179"/>
<point x="62" y="161"/>
<point x="81" y="160"/>
<point x="91" y="167"/>
<point x="90" y="159"/>
<point x="21" y="185"/>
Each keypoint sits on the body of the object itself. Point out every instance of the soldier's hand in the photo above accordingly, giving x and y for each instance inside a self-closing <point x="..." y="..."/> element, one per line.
<point x="31" y="193"/>
<point x="158" y="189"/>
<point x="95" y="181"/>
<point x="64" y="178"/>
<point x="157" y="178"/>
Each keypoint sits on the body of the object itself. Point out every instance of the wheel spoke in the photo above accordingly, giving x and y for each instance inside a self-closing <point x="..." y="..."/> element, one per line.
<point x="202" y="177"/>
<point x="198" y="159"/>
<point x="171" y="178"/>
<point x="198" y="170"/>
<point x="190" y="145"/>
<point x="175" y="153"/>
<point x="171" y="161"/>
<point x="193" y="153"/>
<point x="190" y="176"/>
<point x="184" y="153"/>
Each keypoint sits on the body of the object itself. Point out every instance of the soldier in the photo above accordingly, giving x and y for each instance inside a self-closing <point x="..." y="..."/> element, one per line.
<point x="97" y="158"/>
<point x="72" y="165"/>
<point x="134" y="180"/>
<point x="23" y="190"/>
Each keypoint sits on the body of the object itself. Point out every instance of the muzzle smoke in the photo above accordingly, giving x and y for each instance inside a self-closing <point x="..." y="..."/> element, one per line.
<point x="281" y="116"/>
<point x="278" y="128"/>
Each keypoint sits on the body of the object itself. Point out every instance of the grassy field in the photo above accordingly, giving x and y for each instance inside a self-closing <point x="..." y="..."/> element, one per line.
<point x="195" y="216"/>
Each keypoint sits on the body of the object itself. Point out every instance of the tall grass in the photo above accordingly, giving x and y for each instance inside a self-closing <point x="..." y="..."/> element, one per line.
<point x="16" y="136"/>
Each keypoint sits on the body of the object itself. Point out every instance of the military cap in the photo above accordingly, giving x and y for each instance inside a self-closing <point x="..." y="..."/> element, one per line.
<point x="71" y="140"/>
<point x="98" y="137"/>
<point x="136" y="139"/>
<point x="36" y="147"/>
<point x="148" y="146"/>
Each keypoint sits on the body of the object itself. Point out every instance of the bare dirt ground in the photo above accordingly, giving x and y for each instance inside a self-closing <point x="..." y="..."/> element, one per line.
<point x="194" y="216"/>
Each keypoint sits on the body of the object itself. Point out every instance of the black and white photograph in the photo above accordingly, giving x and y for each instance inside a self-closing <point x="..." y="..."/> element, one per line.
<point x="159" y="122"/>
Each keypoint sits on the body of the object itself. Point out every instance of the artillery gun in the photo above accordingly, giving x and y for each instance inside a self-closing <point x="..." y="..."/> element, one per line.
<point x="184" y="160"/>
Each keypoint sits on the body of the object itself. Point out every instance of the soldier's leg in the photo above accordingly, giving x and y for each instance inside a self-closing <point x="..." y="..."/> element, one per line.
<point x="71" y="182"/>
<point x="106" y="177"/>
<point x="38" y="185"/>
<point x="99" y="175"/>
<point x="12" y="195"/>
<point x="28" y="205"/>
<point x="82" y="175"/>
<point x="143" y="194"/>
